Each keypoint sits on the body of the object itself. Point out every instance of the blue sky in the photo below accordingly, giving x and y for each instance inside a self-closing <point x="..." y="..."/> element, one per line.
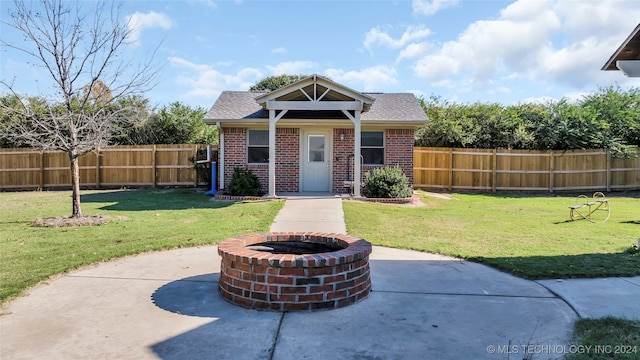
<point x="462" y="50"/>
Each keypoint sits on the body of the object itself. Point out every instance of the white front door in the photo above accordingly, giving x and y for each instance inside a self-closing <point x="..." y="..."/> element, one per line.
<point x="316" y="161"/>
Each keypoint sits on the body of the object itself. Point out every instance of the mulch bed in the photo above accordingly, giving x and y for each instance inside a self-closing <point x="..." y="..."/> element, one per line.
<point x="238" y="198"/>
<point x="67" y="221"/>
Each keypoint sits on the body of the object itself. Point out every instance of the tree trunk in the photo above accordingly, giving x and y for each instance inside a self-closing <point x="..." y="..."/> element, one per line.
<point x="76" y="211"/>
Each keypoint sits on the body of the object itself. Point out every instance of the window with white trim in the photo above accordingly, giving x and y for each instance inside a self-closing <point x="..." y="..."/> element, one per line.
<point x="257" y="146"/>
<point x="372" y="147"/>
<point x="316" y="148"/>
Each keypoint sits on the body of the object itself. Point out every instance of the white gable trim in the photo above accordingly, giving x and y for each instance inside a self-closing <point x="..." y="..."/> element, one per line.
<point x="314" y="102"/>
<point x="314" y="105"/>
<point x="316" y="97"/>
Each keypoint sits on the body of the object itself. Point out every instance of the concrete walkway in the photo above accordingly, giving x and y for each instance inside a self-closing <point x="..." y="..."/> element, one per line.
<point x="165" y="305"/>
<point x="321" y="213"/>
<point x="597" y="298"/>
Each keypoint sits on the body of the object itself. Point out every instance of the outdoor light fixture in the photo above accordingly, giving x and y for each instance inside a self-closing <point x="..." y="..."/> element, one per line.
<point x="341" y="136"/>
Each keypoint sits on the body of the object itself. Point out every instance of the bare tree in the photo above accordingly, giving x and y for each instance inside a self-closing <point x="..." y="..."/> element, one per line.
<point x="84" y="54"/>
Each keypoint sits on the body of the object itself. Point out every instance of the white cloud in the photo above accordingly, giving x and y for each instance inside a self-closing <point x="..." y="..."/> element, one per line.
<point x="426" y="7"/>
<point x="413" y="50"/>
<point x="137" y="22"/>
<point x="280" y="50"/>
<point x="571" y="97"/>
<point x="206" y="82"/>
<point x="211" y="4"/>
<point x="291" y="67"/>
<point x="373" y="78"/>
<point x="419" y="94"/>
<point x="542" y="100"/>
<point x="540" y="40"/>
<point x="376" y="36"/>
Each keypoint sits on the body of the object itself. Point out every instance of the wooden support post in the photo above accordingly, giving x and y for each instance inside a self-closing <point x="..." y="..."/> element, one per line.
<point x="357" y="159"/>
<point x="272" y="153"/>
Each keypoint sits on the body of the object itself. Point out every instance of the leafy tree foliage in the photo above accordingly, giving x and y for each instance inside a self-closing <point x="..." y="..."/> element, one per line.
<point x="275" y="82"/>
<point x="10" y="119"/>
<point x="620" y="110"/>
<point x="138" y="123"/>
<point x="181" y="124"/>
<point x="608" y="119"/>
<point x="135" y="130"/>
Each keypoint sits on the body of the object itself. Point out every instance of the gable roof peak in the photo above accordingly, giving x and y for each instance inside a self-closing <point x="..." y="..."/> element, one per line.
<point x="315" y="88"/>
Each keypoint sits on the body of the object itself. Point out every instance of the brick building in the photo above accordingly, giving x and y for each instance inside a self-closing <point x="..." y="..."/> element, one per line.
<point x="304" y="137"/>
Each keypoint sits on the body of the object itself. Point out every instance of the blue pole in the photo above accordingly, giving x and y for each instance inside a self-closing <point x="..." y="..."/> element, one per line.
<point x="213" y="179"/>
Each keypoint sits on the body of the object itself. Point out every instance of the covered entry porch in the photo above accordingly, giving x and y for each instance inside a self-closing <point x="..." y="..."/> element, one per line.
<point x="311" y="103"/>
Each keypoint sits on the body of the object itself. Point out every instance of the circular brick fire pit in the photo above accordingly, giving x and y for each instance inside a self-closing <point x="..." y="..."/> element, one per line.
<point x="294" y="271"/>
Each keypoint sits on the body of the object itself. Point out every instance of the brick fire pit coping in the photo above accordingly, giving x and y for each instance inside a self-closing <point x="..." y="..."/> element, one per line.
<point x="290" y="282"/>
<point x="354" y="249"/>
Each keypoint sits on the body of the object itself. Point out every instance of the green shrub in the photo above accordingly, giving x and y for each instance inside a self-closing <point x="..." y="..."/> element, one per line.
<point x="244" y="183"/>
<point x="386" y="182"/>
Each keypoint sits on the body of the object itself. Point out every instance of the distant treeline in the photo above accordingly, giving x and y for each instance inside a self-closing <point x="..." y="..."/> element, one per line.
<point x="607" y="119"/>
<point x="175" y="123"/>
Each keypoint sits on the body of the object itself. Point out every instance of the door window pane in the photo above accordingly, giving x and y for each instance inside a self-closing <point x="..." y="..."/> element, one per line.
<point x="316" y="148"/>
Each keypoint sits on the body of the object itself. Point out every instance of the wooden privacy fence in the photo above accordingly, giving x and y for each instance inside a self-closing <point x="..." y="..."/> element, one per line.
<point x="495" y="170"/>
<point x="436" y="168"/>
<point x="112" y="167"/>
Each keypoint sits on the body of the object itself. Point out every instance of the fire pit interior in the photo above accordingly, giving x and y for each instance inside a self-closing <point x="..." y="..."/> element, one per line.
<point x="293" y="247"/>
<point x="294" y="271"/>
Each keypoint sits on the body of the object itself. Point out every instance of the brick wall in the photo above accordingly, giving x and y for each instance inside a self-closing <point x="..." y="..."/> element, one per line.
<point x="398" y="151"/>
<point x="342" y="159"/>
<point x="235" y="151"/>
<point x="287" y="158"/>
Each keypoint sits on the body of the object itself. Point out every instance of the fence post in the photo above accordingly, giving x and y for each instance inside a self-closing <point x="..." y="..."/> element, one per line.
<point x="551" y="165"/>
<point x="195" y="158"/>
<point x="155" y="171"/>
<point x="608" y="155"/>
<point x="494" y="174"/>
<point x="42" y="170"/>
<point x="98" y="167"/>
<point x="450" y="169"/>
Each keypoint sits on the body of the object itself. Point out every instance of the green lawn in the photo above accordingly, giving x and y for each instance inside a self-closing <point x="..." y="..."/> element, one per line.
<point x="606" y="338"/>
<point x="142" y="220"/>
<point x="527" y="235"/>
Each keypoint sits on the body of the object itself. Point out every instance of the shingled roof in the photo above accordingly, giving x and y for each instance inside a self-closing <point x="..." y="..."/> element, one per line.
<point x="387" y="108"/>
